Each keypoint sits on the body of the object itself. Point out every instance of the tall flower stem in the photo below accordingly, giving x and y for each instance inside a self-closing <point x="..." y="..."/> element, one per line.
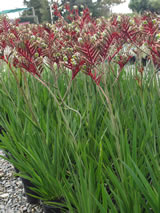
<point x="59" y="106"/>
<point x="113" y="119"/>
<point x="26" y="99"/>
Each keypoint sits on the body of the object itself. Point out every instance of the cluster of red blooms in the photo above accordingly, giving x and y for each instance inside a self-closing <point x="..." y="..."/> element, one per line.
<point x="80" y="44"/>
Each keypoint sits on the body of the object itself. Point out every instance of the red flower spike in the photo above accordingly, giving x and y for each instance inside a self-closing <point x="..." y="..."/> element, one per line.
<point x="90" y="53"/>
<point x="94" y="76"/>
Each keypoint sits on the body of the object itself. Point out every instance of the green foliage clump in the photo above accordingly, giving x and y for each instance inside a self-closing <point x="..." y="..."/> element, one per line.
<point x="145" y="5"/>
<point x="104" y="156"/>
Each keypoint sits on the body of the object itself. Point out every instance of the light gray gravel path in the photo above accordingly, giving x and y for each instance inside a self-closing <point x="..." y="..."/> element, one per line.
<point x="12" y="196"/>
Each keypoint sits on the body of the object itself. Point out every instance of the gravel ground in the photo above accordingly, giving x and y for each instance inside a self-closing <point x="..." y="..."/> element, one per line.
<point x="12" y="196"/>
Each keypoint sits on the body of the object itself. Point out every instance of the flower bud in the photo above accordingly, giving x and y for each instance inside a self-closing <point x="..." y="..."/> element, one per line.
<point x="141" y="27"/>
<point x="145" y="22"/>
<point x="12" y="36"/>
<point x="80" y="40"/>
<point x="44" y="45"/>
<point x="70" y="49"/>
<point x="39" y="39"/>
<point x="41" y="58"/>
<point x="73" y="61"/>
<point x="94" y="37"/>
<point x="119" y="18"/>
<point x="84" y="67"/>
<point x="104" y="34"/>
<point x="158" y="36"/>
<point x="77" y="29"/>
<point x="75" y="7"/>
<point x="36" y="55"/>
<point x="145" y="44"/>
<point x="65" y="58"/>
<point x="60" y="8"/>
<point x="154" y="21"/>
<point x="33" y="37"/>
<point x="58" y="54"/>
<point x="131" y="21"/>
